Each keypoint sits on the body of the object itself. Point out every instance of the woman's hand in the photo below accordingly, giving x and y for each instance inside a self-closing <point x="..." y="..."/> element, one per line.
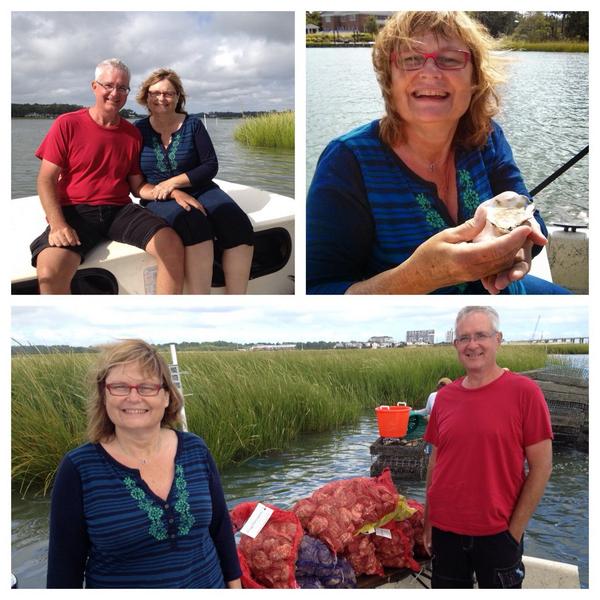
<point x="522" y="265"/>
<point x="448" y="258"/>
<point x="163" y="190"/>
<point x="186" y="201"/>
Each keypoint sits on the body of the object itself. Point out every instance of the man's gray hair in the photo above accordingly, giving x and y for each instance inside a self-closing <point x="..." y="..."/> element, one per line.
<point x="487" y="310"/>
<point x="111" y="63"/>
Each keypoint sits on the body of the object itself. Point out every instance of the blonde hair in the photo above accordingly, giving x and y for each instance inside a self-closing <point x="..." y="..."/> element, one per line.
<point x="99" y="426"/>
<point x="400" y="31"/>
<point x="157" y="76"/>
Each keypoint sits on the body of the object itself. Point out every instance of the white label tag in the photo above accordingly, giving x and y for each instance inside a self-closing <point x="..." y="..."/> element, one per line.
<point x="257" y="520"/>
<point x="386" y="533"/>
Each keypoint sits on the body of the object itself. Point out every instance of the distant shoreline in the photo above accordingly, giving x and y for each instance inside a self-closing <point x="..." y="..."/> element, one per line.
<point x="201" y="115"/>
<point x="522" y="46"/>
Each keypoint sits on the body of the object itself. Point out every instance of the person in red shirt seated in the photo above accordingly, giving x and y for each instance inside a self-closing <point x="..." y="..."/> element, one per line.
<point x="89" y="158"/>
<point x="483" y="428"/>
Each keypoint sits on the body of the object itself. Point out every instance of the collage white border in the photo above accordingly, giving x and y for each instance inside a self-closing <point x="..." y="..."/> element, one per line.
<point x="355" y="303"/>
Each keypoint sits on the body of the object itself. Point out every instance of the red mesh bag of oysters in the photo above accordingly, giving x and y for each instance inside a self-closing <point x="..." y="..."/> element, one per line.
<point x="268" y="560"/>
<point x="336" y="511"/>
<point x="397" y="550"/>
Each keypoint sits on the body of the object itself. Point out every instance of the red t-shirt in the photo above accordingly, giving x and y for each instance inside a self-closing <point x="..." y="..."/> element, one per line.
<point x="95" y="160"/>
<point x="480" y="436"/>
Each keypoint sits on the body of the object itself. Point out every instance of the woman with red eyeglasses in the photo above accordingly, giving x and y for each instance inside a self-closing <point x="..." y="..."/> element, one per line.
<point x="140" y="505"/>
<point x="179" y="163"/>
<point x="393" y="204"/>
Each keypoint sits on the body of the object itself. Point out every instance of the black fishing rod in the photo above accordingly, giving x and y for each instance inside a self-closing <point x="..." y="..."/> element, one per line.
<point x="559" y="171"/>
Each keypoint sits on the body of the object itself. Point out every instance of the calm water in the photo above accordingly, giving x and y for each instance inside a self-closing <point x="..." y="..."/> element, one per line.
<point x="544" y="115"/>
<point x="557" y="531"/>
<point x="264" y="168"/>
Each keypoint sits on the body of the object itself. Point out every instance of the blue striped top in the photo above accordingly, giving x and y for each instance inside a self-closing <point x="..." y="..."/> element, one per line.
<point x="190" y="151"/>
<point x="367" y="212"/>
<point x="108" y="528"/>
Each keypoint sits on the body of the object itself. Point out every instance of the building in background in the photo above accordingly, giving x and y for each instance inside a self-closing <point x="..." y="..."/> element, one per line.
<point x="421" y="336"/>
<point x="381" y="341"/>
<point x="352" y="21"/>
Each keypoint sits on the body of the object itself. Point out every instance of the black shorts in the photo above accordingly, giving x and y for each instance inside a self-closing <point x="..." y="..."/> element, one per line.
<point x="129" y="223"/>
<point x="494" y="560"/>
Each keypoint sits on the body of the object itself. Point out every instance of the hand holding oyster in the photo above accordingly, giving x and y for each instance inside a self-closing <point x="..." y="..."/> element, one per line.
<point x="505" y="212"/>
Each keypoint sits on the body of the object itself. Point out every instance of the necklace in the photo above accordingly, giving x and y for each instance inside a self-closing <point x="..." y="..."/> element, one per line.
<point x="412" y="159"/>
<point x="142" y="461"/>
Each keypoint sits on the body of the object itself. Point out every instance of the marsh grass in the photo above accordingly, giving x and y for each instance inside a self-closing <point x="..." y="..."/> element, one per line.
<point x="242" y="403"/>
<point x="568" y="348"/>
<point x="274" y="130"/>
<point x="549" y="46"/>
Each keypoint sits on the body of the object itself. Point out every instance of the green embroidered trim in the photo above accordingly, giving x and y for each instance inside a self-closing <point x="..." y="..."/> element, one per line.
<point x="155" y="513"/>
<point x="468" y="193"/>
<point x="159" y="155"/>
<point x="431" y="215"/>
<point x="173" y="151"/>
<point x="157" y="529"/>
<point x="181" y="505"/>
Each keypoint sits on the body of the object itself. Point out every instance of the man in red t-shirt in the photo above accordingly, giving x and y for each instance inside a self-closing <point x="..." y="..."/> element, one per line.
<point x="483" y="428"/>
<point x="89" y="157"/>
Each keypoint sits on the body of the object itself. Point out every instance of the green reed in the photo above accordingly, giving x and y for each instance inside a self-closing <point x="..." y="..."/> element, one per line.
<point x="242" y="403"/>
<point x="273" y="130"/>
<point x="568" y="348"/>
<point x="549" y="46"/>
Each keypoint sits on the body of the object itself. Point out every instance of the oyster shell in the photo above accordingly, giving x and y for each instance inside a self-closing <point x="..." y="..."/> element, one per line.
<point x="508" y="210"/>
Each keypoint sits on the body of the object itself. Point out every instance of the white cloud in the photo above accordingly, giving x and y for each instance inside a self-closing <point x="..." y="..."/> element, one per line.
<point x="299" y="319"/>
<point x="227" y="61"/>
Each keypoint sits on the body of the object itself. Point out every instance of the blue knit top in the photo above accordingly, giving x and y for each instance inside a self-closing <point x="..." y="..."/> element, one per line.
<point x="367" y="212"/>
<point x="190" y="151"/>
<point x="108" y="528"/>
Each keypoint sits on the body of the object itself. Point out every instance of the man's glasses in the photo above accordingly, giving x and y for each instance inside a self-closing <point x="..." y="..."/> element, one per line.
<point x="167" y="95"/>
<point x="143" y="389"/>
<point x="109" y="87"/>
<point x="480" y="336"/>
<point x="446" y="60"/>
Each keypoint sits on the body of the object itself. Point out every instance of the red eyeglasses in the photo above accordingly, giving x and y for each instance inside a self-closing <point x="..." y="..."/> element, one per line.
<point x="446" y="60"/>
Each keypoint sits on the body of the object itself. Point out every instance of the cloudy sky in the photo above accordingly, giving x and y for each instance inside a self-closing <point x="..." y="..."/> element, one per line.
<point x="229" y="61"/>
<point x="269" y="320"/>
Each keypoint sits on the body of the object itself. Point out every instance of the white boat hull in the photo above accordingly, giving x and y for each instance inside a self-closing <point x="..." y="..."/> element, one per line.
<point x="539" y="574"/>
<point x="129" y="270"/>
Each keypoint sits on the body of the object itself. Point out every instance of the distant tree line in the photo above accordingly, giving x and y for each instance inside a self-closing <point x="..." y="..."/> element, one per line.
<point x="43" y="349"/>
<point x="50" y="111"/>
<point x="42" y="110"/>
<point x="315" y="345"/>
<point x="530" y="26"/>
<point x="536" y="26"/>
<point x="218" y="345"/>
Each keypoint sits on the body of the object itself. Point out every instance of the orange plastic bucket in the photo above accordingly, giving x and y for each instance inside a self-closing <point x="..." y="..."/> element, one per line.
<point x="392" y="421"/>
